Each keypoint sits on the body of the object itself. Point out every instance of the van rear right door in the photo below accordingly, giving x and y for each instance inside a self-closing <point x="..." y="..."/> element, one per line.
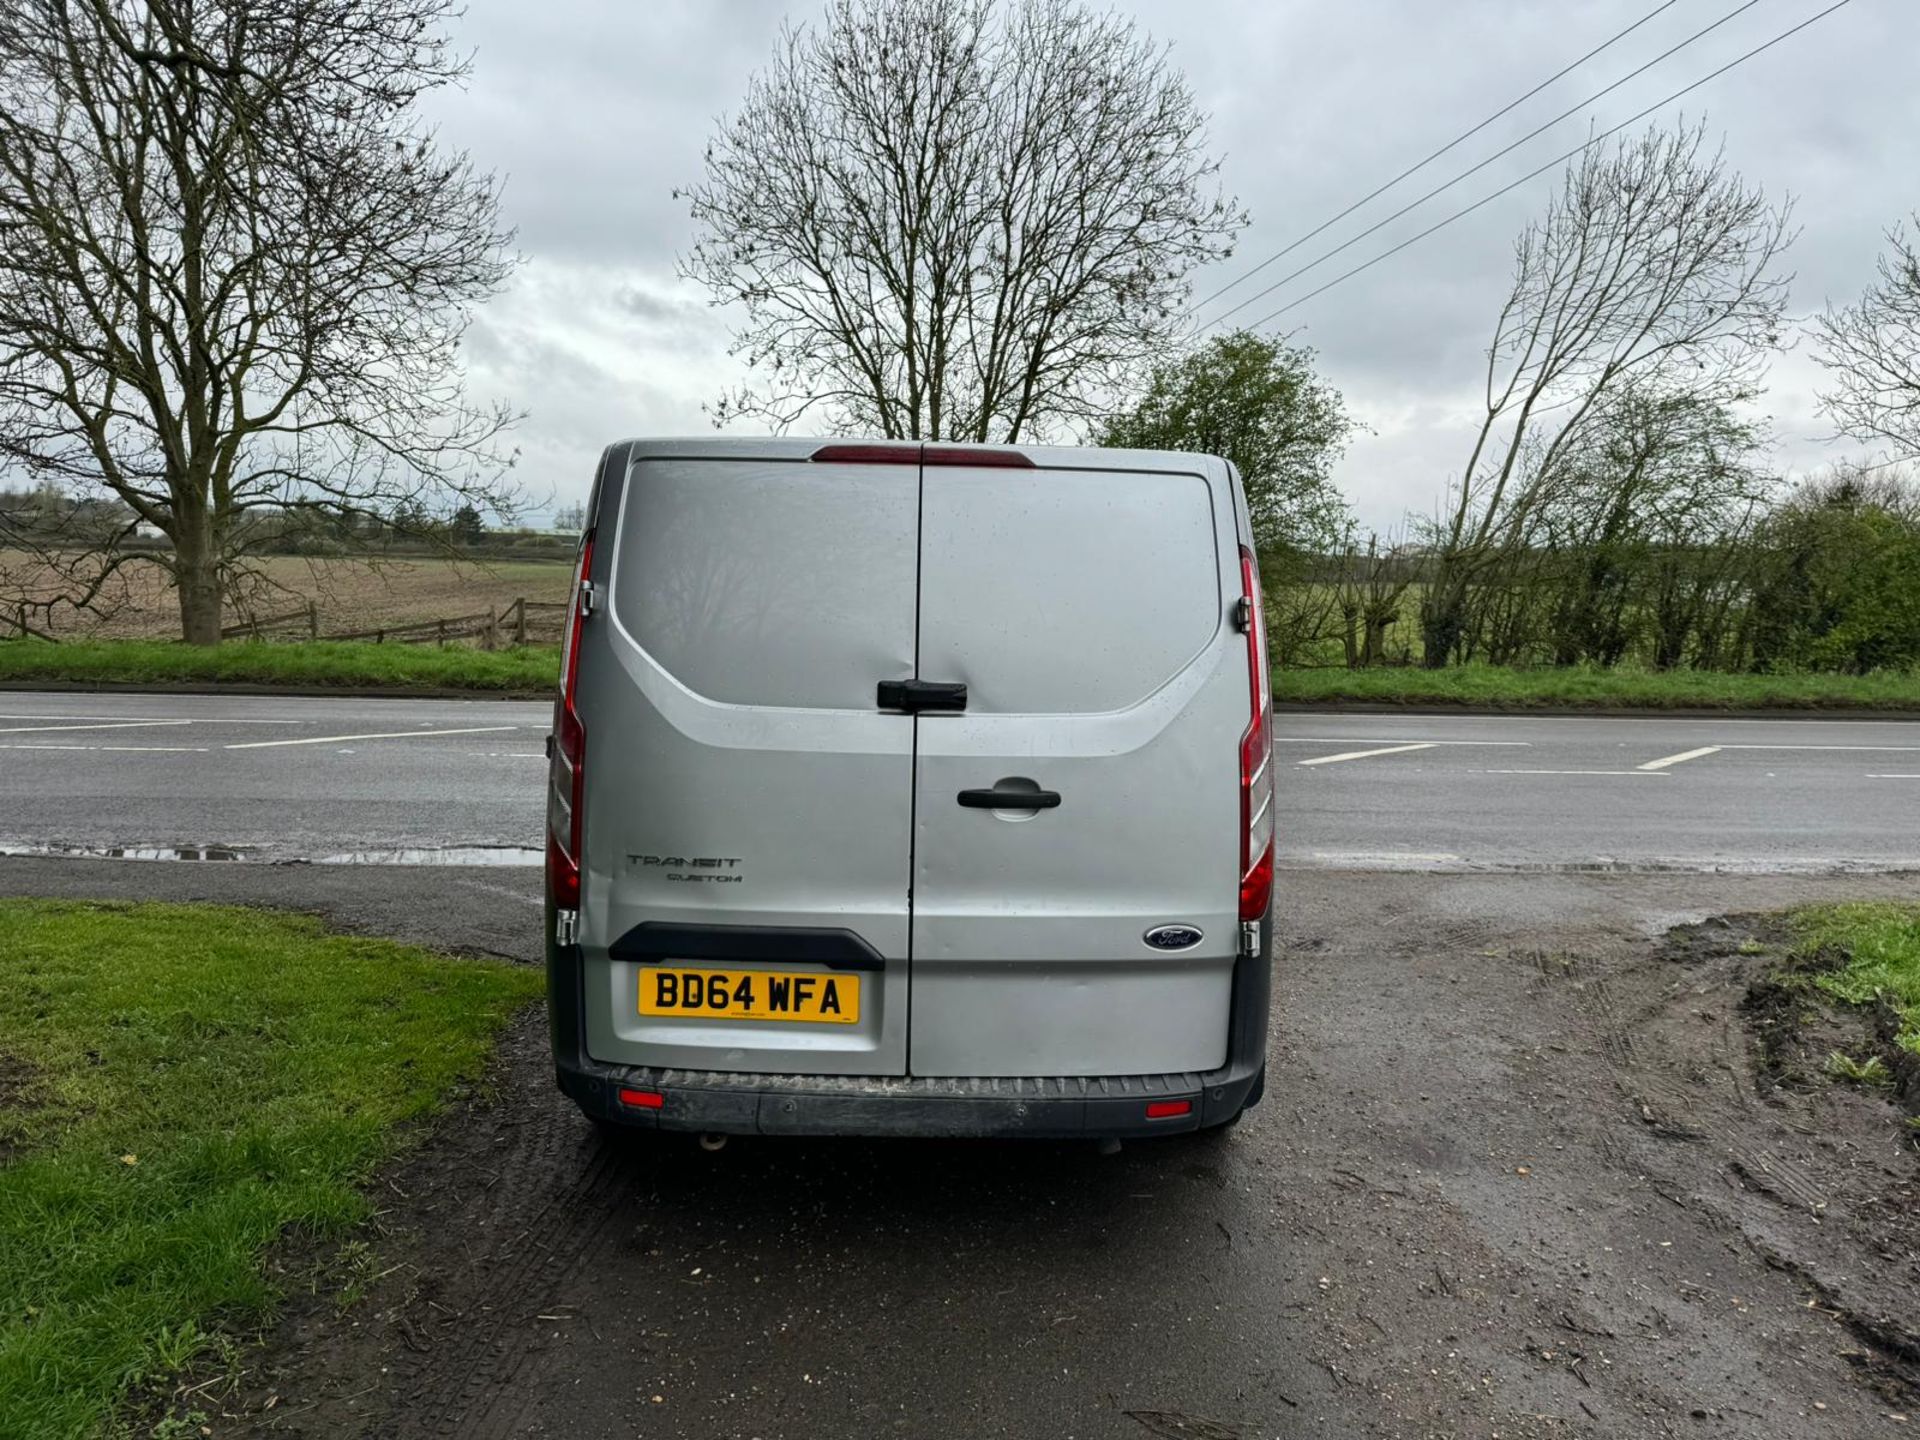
<point x="1089" y="792"/>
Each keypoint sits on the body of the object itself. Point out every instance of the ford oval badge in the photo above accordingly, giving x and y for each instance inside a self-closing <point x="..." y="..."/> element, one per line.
<point x="1173" y="937"/>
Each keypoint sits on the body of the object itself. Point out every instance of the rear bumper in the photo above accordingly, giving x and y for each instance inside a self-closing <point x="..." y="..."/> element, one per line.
<point x="1039" y="1108"/>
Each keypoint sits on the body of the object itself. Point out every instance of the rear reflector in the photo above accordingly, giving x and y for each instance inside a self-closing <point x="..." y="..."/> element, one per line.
<point x="643" y="1099"/>
<point x="915" y="454"/>
<point x="1167" y="1109"/>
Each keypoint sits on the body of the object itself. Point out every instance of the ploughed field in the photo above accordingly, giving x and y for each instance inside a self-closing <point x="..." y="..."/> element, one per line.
<point x="349" y="595"/>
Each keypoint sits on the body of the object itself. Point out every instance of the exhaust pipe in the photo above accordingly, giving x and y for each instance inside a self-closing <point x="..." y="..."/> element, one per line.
<point x="713" y="1142"/>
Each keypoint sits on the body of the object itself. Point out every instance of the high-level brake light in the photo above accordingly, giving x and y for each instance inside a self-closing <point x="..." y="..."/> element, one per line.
<point x="910" y="452"/>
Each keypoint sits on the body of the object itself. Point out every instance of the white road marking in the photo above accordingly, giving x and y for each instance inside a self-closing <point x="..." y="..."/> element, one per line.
<point x="508" y="754"/>
<point x="1385" y="740"/>
<point x="1893" y="777"/>
<point x="1685" y="755"/>
<point x="1368" y="754"/>
<point x="384" y="735"/>
<point x="98" y="725"/>
<point x="125" y="749"/>
<point x="160" y="720"/>
<point x="1643" y="773"/>
<point x="1901" y="748"/>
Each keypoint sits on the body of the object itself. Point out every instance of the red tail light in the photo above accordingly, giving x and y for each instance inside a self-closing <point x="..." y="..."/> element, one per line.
<point x="1256" y="749"/>
<point x="1168" y="1109"/>
<point x="566" y="773"/>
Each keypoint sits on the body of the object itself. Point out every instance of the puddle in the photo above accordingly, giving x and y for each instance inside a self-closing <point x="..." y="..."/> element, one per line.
<point x="482" y="855"/>
<point x="131" y="852"/>
<point x="450" y="855"/>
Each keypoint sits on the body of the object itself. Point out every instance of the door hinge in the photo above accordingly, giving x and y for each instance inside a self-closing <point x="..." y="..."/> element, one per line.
<point x="566" y="926"/>
<point x="1243" y="614"/>
<point x="586" y="598"/>
<point x="1249" y="937"/>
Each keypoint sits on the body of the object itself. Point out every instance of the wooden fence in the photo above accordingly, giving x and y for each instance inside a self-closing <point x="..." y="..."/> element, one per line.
<point x="522" y="622"/>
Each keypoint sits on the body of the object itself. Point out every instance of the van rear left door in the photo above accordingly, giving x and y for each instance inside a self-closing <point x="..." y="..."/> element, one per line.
<point x="747" y="805"/>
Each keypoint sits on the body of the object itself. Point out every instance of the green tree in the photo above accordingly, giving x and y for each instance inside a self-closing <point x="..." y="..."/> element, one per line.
<point x="1840" y="587"/>
<point x="1258" y="403"/>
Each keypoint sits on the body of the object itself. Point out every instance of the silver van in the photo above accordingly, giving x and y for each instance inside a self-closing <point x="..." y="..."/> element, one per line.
<point x="911" y="789"/>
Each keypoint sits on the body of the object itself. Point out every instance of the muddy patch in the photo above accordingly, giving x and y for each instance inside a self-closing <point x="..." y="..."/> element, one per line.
<point x="1728" y="1072"/>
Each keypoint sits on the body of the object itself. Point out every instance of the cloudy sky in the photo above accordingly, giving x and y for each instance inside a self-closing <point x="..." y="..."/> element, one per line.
<point x="593" y="112"/>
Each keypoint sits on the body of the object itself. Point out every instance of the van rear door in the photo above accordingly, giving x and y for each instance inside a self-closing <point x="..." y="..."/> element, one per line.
<point x="1086" y="610"/>
<point x="748" y="808"/>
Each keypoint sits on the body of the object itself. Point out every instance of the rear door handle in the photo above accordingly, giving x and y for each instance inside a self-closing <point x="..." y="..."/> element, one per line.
<point x="915" y="696"/>
<point x="1010" y="799"/>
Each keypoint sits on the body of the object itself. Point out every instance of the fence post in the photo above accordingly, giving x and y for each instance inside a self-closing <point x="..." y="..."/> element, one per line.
<point x="493" y="627"/>
<point x="440" y="631"/>
<point x="313" y="620"/>
<point x="519" y="622"/>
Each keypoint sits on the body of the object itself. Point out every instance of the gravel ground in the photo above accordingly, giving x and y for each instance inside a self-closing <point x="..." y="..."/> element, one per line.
<point x="1518" y="1173"/>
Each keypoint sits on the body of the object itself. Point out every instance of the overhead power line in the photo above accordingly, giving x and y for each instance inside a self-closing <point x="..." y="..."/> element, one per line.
<point x="1557" y="160"/>
<point x="1419" y="165"/>
<point x="1601" y="94"/>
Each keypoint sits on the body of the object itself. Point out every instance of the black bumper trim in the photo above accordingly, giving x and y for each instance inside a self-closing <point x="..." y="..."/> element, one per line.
<point x="1041" y="1107"/>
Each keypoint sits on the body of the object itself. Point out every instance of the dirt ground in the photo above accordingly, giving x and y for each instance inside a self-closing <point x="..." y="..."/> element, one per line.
<point x="350" y="595"/>
<point x="1522" y="1171"/>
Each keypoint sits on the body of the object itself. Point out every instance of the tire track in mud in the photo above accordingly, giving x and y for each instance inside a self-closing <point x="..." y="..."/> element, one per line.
<point x="541" y="1219"/>
<point x="1713" y="1107"/>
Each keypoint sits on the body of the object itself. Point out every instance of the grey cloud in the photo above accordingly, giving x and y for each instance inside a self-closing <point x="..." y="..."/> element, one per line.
<point x="594" y="112"/>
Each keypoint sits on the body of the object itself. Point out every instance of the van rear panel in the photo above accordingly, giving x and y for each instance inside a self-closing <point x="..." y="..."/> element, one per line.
<point x="752" y="814"/>
<point x="739" y="777"/>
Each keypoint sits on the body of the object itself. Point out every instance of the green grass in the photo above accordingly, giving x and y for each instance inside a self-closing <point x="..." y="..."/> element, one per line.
<point x="1881" y="943"/>
<point x="342" y="663"/>
<point x="178" y="1086"/>
<point x="1499" y="687"/>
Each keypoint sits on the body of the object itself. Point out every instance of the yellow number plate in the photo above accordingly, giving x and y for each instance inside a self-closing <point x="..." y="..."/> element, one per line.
<point x="829" y="998"/>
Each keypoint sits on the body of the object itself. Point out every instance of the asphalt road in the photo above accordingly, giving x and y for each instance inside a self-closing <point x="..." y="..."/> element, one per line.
<point x="400" y="780"/>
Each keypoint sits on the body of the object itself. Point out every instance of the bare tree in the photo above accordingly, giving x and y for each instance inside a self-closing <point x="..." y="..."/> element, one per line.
<point x="234" y="272"/>
<point x="1654" y="263"/>
<point x="1872" y="352"/>
<point x="948" y="220"/>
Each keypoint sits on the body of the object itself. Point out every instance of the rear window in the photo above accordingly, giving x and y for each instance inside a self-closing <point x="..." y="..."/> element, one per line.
<point x="1064" y="591"/>
<point x="770" y="583"/>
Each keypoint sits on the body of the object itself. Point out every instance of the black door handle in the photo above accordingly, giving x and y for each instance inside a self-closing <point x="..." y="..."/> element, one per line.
<point x="997" y="799"/>
<point x="914" y="696"/>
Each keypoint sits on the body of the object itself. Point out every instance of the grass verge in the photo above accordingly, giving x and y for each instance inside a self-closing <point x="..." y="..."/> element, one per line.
<point x="1501" y="687"/>
<point x="178" y="1085"/>
<point x="1877" y="945"/>
<point x="345" y="664"/>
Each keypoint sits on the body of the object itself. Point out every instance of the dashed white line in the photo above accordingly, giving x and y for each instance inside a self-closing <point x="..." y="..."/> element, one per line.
<point x="1908" y="749"/>
<point x="97" y="725"/>
<point x="1893" y="777"/>
<point x="123" y="749"/>
<point x="384" y="735"/>
<point x="1685" y="755"/>
<point x="1369" y="754"/>
<point x="1643" y="773"/>
<point x="1386" y="740"/>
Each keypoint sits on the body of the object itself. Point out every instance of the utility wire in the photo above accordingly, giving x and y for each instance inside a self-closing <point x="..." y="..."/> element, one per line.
<point x="1464" y="135"/>
<point x="1475" y="169"/>
<point x="1534" y="174"/>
